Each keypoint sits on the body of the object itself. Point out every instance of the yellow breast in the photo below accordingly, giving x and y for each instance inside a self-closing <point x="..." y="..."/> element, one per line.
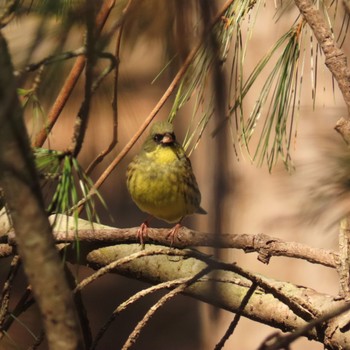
<point x="160" y="182"/>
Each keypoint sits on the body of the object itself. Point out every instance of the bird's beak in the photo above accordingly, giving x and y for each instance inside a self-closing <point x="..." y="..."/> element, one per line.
<point x="168" y="138"/>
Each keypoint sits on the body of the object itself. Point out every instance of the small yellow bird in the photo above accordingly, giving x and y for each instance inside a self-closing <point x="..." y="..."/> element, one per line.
<point x="161" y="181"/>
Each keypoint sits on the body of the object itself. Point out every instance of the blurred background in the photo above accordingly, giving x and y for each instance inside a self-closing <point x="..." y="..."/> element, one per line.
<point x="249" y="198"/>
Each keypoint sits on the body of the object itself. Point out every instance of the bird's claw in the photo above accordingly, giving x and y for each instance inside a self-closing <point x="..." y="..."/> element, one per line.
<point x="142" y="232"/>
<point x="173" y="233"/>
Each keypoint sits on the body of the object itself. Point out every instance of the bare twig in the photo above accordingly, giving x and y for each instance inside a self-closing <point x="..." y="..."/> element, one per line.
<point x="299" y="307"/>
<point x="6" y="290"/>
<point x="282" y="342"/>
<point x="51" y="59"/>
<point x="39" y="339"/>
<point x="272" y="309"/>
<point x="113" y="142"/>
<point x="81" y="121"/>
<point x="132" y="300"/>
<point x="181" y="288"/>
<point x="22" y="305"/>
<point x="71" y="80"/>
<point x="236" y="319"/>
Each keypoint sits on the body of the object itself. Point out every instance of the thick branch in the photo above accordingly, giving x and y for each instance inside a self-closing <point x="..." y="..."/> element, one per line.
<point x="266" y="246"/>
<point x="22" y="193"/>
<point x="335" y="58"/>
<point x="231" y="289"/>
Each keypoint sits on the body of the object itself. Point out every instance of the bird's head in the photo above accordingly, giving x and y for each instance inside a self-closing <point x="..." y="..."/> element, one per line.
<point x="162" y="134"/>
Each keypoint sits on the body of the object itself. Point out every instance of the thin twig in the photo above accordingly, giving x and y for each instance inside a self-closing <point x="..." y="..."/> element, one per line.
<point x="304" y="310"/>
<point x="282" y="342"/>
<point x="39" y="339"/>
<point x="82" y="118"/>
<point x="114" y="140"/>
<point x="6" y="291"/>
<point x="262" y="307"/>
<point x="23" y="304"/>
<point x="71" y="80"/>
<point x="60" y="101"/>
<point x="137" y="330"/>
<point x="237" y="317"/>
<point x="50" y="60"/>
<point x="83" y="114"/>
<point x="134" y="298"/>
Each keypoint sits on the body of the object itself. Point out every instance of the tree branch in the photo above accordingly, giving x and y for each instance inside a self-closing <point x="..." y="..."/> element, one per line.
<point x="71" y="80"/>
<point x="36" y="248"/>
<point x="231" y="288"/>
<point x="266" y="246"/>
<point x="336" y="60"/>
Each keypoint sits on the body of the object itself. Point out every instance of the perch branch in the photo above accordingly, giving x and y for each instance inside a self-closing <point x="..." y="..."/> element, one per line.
<point x="266" y="246"/>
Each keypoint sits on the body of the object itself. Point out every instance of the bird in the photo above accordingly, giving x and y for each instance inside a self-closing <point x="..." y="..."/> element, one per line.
<point x="161" y="181"/>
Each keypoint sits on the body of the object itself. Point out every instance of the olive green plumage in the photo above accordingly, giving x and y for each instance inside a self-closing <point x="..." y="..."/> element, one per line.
<point x="160" y="179"/>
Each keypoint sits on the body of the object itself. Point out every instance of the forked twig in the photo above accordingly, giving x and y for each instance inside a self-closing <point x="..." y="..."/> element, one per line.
<point x="137" y="330"/>
<point x="283" y="341"/>
<point x="237" y="317"/>
<point x="134" y="298"/>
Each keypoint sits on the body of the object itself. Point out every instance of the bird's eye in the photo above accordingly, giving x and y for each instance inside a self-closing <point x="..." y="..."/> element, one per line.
<point x="158" y="138"/>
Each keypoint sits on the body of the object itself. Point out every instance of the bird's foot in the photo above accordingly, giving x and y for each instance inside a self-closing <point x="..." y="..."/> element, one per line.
<point x="142" y="233"/>
<point x="173" y="233"/>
